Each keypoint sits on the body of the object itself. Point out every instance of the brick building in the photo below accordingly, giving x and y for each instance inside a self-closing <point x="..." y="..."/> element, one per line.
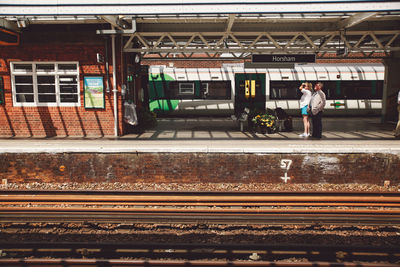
<point x="72" y="70"/>
<point x="47" y="71"/>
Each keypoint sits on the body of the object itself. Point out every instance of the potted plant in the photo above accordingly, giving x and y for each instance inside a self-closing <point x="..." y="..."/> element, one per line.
<point x="265" y="123"/>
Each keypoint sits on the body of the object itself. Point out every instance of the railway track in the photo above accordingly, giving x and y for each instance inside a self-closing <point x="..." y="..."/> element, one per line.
<point x="242" y="254"/>
<point x="176" y="263"/>
<point x="201" y="207"/>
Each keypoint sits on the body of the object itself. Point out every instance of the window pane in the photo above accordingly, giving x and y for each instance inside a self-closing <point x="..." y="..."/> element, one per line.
<point x="67" y="67"/>
<point x="45" y="67"/>
<point x="23" y="79"/>
<point x="67" y="79"/>
<point x="47" y="98"/>
<point x="46" y="79"/>
<point x="68" y="88"/>
<point x="361" y="89"/>
<point x="26" y="88"/>
<point x="70" y="98"/>
<point x="219" y="90"/>
<point x="44" y="84"/>
<point x="21" y="98"/>
<point x="186" y="88"/>
<point x="46" y="89"/>
<point x="23" y="67"/>
<point x="285" y="90"/>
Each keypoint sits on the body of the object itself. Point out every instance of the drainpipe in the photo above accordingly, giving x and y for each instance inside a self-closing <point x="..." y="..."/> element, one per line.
<point x="106" y="66"/>
<point x="115" y="90"/>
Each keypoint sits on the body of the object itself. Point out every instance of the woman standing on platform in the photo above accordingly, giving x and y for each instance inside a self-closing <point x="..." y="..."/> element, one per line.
<point x="305" y="99"/>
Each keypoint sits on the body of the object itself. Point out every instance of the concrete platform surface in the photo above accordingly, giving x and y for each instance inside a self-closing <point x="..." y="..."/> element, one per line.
<point x="216" y="135"/>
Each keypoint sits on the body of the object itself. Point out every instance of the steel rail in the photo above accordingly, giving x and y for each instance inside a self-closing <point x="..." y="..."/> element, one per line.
<point x="221" y="253"/>
<point x="232" y="204"/>
<point x="380" y="208"/>
<point x="156" y="210"/>
<point x="198" y="193"/>
<point x="198" y="198"/>
<point x="177" y="263"/>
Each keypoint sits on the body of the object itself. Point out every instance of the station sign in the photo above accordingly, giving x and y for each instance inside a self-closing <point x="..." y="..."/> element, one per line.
<point x="283" y="58"/>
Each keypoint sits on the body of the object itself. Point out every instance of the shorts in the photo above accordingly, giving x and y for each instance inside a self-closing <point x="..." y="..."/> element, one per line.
<point x="304" y="110"/>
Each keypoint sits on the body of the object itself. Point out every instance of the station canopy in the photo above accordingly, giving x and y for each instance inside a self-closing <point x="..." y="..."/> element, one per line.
<point x="225" y="29"/>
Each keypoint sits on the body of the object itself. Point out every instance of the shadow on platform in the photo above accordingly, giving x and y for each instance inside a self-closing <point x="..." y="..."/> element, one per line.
<point x="216" y="128"/>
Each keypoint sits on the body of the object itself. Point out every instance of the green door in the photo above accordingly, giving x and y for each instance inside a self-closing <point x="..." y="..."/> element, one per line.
<point x="249" y="92"/>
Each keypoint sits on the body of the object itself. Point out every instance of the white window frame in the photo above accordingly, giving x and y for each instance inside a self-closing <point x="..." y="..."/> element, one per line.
<point x="186" y="93"/>
<point x="34" y="73"/>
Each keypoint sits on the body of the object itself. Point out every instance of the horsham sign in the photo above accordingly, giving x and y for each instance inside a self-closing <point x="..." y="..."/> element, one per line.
<point x="283" y="58"/>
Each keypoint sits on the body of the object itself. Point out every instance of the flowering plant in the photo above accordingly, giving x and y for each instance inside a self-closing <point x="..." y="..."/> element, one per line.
<point x="265" y="120"/>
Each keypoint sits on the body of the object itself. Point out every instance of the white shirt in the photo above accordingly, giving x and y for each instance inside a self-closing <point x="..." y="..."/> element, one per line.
<point x="318" y="101"/>
<point x="305" y="98"/>
<point x="398" y="98"/>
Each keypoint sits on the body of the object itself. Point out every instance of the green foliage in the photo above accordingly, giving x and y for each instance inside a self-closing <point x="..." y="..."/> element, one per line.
<point x="254" y="112"/>
<point x="266" y="120"/>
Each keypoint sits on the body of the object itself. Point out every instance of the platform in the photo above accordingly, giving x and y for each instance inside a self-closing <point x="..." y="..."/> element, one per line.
<point x="211" y="150"/>
<point x="222" y="135"/>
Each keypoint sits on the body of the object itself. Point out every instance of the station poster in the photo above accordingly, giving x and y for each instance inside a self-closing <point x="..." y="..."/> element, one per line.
<point x="94" y="92"/>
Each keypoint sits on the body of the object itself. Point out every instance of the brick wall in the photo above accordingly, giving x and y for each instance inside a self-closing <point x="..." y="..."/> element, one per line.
<point x="199" y="168"/>
<point x="57" y="121"/>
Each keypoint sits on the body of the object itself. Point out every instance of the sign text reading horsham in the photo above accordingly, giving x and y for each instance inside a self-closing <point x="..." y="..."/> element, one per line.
<point x="283" y="58"/>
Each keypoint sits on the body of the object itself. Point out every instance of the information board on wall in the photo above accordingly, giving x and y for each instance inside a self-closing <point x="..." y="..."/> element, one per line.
<point x="94" y="92"/>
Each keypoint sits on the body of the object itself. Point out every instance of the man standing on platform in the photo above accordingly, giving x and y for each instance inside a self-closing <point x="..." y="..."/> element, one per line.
<point x="317" y="103"/>
<point x="397" y="132"/>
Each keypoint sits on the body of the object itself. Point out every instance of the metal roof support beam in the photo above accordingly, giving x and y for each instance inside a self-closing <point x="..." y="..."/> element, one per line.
<point x="378" y="43"/>
<point x="355" y="19"/>
<point x="219" y="43"/>
<point x="122" y="25"/>
<point x="343" y="38"/>
<point x="391" y="40"/>
<point x="112" y="20"/>
<point x="189" y="41"/>
<point x="142" y="40"/>
<point x="275" y="33"/>
<point x="230" y="22"/>
<point x="291" y="41"/>
<point x="325" y="43"/>
<point x="172" y="39"/>
<point x="240" y="44"/>
<point x="308" y="40"/>
<point x="273" y="40"/>
<point x="127" y="44"/>
<point x="236" y="40"/>
<point x="159" y="40"/>
<point x="203" y="40"/>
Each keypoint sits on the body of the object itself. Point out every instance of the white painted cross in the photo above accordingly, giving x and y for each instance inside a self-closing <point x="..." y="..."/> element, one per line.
<point x="285" y="164"/>
<point x="285" y="178"/>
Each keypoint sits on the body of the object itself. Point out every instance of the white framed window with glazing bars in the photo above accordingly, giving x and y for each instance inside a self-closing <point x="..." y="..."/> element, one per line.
<point x="45" y="84"/>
